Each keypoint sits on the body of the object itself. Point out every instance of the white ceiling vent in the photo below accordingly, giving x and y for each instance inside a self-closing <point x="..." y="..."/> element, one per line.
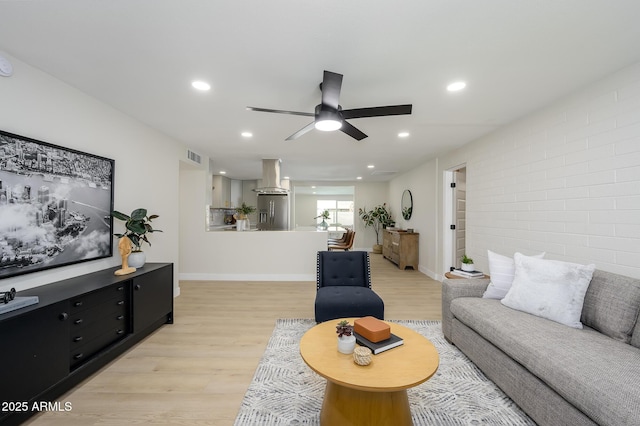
<point x="195" y="157"/>
<point x="382" y="173"/>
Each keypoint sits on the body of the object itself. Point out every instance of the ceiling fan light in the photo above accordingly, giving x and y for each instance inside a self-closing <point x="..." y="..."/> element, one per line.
<point x="328" y="125"/>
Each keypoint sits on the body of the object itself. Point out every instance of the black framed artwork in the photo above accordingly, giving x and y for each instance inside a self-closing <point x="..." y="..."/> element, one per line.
<point x="55" y="206"/>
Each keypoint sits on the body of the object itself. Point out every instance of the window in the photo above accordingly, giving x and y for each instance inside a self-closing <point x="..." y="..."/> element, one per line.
<point x="340" y="212"/>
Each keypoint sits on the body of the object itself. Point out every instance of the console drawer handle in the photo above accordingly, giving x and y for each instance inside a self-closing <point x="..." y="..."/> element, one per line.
<point x="77" y="339"/>
<point x="77" y="304"/>
<point x="78" y="321"/>
<point x="120" y="302"/>
<point x="78" y="356"/>
<point x="120" y="288"/>
<point x="119" y="317"/>
<point x="119" y="331"/>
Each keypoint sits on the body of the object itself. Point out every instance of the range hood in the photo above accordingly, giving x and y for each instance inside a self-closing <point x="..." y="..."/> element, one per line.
<point x="271" y="183"/>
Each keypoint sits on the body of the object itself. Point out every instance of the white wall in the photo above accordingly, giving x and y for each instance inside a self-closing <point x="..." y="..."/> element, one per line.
<point x="38" y="106"/>
<point x="422" y="182"/>
<point x="565" y="180"/>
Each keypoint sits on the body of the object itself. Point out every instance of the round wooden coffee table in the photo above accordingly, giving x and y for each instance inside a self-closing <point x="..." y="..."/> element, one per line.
<point x="375" y="394"/>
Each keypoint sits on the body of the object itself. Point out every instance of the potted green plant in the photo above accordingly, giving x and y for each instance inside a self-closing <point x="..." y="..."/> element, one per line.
<point x="377" y="218"/>
<point x="325" y="215"/>
<point x="137" y="225"/>
<point x="467" y="264"/>
<point x="346" y="338"/>
<point x="242" y="220"/>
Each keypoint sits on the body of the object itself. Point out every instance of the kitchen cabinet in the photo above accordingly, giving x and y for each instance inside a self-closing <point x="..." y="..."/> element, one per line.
<point x="221" y="192"/>
<point x="78" y="326"/>
<point x="401" y="248"/>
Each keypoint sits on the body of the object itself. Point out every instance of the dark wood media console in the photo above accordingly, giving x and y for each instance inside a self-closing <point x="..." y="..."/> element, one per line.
<point x="78" y="326"/>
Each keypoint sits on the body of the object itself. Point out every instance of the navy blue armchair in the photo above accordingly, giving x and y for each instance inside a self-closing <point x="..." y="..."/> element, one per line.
<point x="344" y="286"/>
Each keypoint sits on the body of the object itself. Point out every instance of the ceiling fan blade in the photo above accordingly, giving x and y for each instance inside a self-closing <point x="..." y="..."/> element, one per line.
<point x="302" y="131"/>
<point x="377" y="111"/>
<point x="331" y="85"/>
<point x="352" y="131"/>
<point x="279" y="111"/>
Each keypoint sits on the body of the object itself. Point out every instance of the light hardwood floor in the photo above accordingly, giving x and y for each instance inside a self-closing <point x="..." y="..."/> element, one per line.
<point x="196" y="371"/>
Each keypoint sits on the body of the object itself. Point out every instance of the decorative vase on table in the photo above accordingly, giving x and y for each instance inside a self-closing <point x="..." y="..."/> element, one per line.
<point x="137" y="259"/>
<point x="242" y="223"/>
<point x="346" y="338"/>
<point x="346" y="344"/>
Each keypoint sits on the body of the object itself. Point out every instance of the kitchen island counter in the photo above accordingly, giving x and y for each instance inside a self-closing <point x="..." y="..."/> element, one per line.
<point x="253" y="255"/>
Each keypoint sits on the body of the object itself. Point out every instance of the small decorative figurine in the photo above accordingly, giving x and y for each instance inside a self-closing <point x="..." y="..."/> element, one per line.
<point x="124" y="247"/>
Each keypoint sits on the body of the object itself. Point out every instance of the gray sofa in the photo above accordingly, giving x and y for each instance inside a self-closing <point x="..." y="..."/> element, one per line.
<point x="557" y="374"/>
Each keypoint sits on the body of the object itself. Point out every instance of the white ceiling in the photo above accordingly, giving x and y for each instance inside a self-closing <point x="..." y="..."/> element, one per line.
<point x="141" y="56"/>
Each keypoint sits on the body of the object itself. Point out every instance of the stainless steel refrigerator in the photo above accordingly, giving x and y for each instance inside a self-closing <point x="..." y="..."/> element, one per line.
<point x="273" y="212"/>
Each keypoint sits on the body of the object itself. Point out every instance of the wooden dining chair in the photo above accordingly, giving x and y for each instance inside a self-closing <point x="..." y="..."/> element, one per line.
<point x="345" y="246"/>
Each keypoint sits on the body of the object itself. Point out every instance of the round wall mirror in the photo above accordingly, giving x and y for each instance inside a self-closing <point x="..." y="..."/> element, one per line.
<point x="407" y="204"/>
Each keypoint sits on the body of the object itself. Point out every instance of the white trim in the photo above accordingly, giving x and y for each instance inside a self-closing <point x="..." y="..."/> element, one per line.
<point x="429" y="273"/>
<point x="248" y="277"/>
<point x="447" y="214"/>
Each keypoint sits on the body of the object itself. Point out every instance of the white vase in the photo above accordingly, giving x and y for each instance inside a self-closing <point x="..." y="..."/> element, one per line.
<point x="242" y="224"/>
<point x="346" y="344"/>
<point x="469" y="267"/>
<point x="136" y="259"/>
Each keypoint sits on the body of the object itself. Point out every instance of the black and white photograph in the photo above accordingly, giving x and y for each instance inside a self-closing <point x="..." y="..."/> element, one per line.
<point x="55" y="205"/>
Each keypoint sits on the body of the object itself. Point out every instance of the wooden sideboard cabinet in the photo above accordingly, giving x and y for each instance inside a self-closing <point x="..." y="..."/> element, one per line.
<point x="401" y="248"/>
<point x="78" y="326"/>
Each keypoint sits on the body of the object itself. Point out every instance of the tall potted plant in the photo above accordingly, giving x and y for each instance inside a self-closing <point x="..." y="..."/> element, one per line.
<point x="377" y="218"/>
<point x="137" y="225"/>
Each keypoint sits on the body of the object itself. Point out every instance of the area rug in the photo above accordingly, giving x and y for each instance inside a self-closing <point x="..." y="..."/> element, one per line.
<point x="285" y="391"/>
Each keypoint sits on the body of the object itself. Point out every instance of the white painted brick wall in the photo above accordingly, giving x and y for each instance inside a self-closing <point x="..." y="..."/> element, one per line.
<point x="565" y="180"/>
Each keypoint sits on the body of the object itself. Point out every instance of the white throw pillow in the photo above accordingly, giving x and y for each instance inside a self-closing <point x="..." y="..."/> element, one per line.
<point x="501" y="270"/>
<point x="549" y="289"/>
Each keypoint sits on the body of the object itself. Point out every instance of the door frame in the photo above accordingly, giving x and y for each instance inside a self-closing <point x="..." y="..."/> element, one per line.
<point x="449" y="217"/>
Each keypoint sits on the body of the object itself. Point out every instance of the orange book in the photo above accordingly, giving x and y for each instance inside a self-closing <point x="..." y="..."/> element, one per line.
<point x="372" y="329"/>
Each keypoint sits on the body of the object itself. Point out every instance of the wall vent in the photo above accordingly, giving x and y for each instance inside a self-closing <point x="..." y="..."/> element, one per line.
<point x="383" y="173"/>
<point x="195" y="157"/>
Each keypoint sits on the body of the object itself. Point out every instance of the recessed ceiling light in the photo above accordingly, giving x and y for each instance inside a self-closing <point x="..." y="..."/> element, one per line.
<point x="246" y="134"/>
<point x="286" y="177"/>
<point x="222" y="172"/>
<point x="403" y="134"/>
<point x="201" y="85"/>
<point x="370" y="166"/>
<point x="359" y="178"/>
<point x="456" y="86"/>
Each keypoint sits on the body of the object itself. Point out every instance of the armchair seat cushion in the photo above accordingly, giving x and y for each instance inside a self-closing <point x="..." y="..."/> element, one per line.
<point x="347" y="301"/>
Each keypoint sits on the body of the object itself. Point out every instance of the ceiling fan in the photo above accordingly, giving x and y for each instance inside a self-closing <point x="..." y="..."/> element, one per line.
<point x="330" y="116"/>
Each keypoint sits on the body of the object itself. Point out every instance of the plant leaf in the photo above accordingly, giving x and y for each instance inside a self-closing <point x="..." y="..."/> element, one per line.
<point x="119" y="215"/>
<point x="139" y="214"/>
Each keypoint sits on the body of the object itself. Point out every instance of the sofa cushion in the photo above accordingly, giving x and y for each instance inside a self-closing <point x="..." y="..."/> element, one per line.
<point x="501" y="270"/>
<point x="612" y="305"/>
<point x="635" y="338"/>
<point x="595" y="373"/>
<point x="347" y="301"/>
<point x="549" y="288"/>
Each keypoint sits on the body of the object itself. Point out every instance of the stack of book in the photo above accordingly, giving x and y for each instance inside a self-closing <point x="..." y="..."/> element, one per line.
<point x="381" y="346"/>
<point x="465" y="274"/>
